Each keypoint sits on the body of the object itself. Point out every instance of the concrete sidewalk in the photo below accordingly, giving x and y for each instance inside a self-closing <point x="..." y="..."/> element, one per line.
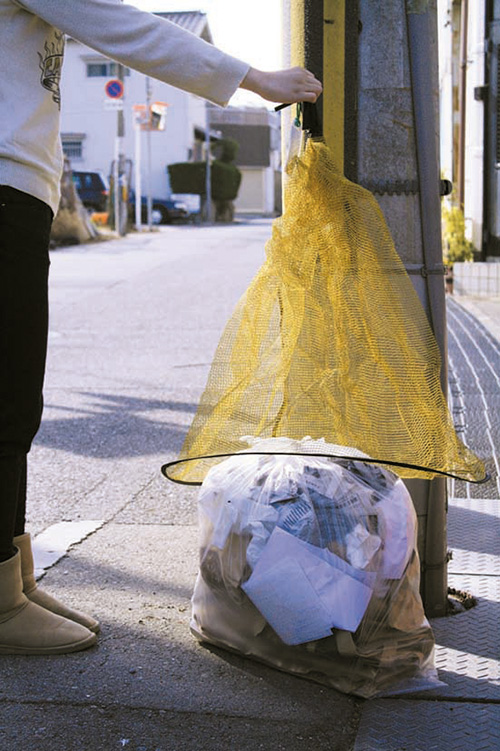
<point x="148" y="685"/>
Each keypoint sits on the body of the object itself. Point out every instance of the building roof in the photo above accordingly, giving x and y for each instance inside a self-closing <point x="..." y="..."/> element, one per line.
<point x="194" y="21"/>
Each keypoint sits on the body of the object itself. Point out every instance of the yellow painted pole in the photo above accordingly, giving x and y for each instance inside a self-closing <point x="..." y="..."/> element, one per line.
<point x="294" y="54"/>
<point x="297" y="34"/>
<point x="333" y="78"/>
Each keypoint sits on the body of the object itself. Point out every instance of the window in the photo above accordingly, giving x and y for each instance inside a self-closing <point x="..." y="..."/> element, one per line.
<point x="104" y="69"/>
<point x="73" y="147"/>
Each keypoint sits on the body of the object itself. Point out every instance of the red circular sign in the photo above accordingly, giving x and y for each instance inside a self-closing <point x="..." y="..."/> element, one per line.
<point x="114" y="88"/>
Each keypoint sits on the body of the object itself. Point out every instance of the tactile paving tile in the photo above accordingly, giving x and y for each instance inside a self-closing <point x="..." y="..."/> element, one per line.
<point x="468" y="644"/>
<point x="474" y="388"/>
<point x="474" y="536"/>
<point x="472" y="562"/>
<point x="401" y="725"/>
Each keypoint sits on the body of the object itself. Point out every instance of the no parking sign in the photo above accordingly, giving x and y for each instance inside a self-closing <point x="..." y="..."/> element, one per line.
<point x="114" y="89"/>
<point x="114" y="94"/>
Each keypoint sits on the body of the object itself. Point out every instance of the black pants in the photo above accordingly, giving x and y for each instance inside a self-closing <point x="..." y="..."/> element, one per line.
<point x="25" y="225"/>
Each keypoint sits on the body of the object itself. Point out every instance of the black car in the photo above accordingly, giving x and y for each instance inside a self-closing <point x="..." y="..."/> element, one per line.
<point x="93" y="189"/>
<point x="164" y="210"/>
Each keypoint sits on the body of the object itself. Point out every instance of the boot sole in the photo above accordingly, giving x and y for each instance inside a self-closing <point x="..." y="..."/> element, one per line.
<point x="89" y="641"/>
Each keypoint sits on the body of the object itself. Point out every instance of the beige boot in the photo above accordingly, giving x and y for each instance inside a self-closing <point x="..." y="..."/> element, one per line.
<point x="28" y="629"/>
<point x="38" y="596"/>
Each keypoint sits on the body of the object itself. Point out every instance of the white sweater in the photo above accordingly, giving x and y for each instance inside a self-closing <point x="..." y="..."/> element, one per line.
<point x="31" y="55"/>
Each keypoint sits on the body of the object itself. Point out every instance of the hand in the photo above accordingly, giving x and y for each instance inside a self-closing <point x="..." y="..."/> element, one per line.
<point x="287" y="86"/>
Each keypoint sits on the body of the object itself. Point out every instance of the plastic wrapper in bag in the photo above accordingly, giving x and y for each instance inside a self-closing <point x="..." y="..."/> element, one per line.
<point x="310" y="565"/>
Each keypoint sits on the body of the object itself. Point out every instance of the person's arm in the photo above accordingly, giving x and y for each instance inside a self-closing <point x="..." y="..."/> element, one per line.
<point x="145" y="42"/>
<point x="156" y="47"/>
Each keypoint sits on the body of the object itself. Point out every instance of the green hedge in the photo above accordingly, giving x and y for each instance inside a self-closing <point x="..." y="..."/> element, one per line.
<point x="190" y="177"/>
<point x="226" y="181"/>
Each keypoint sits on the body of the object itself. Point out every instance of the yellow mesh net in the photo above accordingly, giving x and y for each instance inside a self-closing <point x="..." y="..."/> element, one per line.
<point x="329" y="341"/>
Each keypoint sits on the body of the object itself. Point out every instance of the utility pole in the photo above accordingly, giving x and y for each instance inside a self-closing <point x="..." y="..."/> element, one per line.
<point x="379" y="106"/>
<point x="462" y="98"/>
<point x="119" y="171"/>
<point x="149" y="92"/>
<point x="121" y="189"/>
<point x="208" y="173"/>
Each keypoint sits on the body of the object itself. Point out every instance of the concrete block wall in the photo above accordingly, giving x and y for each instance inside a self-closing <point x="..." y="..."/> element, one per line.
<point x="478" y="279"/>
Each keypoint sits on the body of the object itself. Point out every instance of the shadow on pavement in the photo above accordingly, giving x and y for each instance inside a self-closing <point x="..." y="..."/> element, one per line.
<point x="111" y="426"/>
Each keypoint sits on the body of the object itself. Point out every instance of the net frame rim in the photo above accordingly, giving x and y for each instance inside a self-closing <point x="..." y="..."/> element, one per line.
<point x="367" y="460"/>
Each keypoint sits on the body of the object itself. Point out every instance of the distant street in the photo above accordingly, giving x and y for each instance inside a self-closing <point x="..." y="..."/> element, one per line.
<point x="134" y="324"/>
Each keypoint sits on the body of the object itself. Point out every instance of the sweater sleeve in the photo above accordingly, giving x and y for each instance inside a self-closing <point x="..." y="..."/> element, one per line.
<point x="147" y="43"/>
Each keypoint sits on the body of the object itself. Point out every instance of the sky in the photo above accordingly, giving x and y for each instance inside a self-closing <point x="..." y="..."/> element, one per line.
<point x="250" y="31"/>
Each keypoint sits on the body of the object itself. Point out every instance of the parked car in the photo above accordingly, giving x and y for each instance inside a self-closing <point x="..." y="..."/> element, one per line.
<point x="93" y="189"/>
<point x="164" y="210"/>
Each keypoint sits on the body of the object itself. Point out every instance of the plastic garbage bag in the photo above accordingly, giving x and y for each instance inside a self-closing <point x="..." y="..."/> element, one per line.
<point x="310" y="564"/>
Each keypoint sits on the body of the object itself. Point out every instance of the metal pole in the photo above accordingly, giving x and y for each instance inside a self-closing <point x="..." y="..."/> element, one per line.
<point x="334" y="77"/>
<point x="118" y="160"/>
<point x="373" y="135"/>
<point x="422" y="35"/>
<point x="462" y="98"/>
<point x="149" y="164"/>
<point x="208" y="173"/>
<point x="121" y="193"/>
<point x="137" y="174"/>
<point x="116" y="185"/>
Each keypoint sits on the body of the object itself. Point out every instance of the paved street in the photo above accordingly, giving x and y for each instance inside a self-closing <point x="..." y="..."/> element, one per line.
<point x="134" y="326"/>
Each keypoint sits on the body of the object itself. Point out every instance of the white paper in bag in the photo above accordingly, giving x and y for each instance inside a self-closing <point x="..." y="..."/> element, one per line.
<point x="303" y="591"/>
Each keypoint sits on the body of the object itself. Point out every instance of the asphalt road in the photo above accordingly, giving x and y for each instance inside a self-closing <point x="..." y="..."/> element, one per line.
<point x="134" y="325"/>
<point x="133" y="328"/>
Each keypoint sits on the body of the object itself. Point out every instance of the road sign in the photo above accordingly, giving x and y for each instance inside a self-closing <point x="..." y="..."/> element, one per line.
<point x="158" y="112"/>
<point x="140" y="115"/>
<point x="114" y="88"/>
<point x="150" y="118"/>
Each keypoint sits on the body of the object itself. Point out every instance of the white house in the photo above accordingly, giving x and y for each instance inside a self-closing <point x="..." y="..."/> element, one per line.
<point x="89" y="129"/>
<point x="469" y="38"/>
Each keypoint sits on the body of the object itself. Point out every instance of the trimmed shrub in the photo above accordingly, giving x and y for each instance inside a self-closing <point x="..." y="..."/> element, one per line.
<point x="188" y="177"/>
<point x="226" y="180"/>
